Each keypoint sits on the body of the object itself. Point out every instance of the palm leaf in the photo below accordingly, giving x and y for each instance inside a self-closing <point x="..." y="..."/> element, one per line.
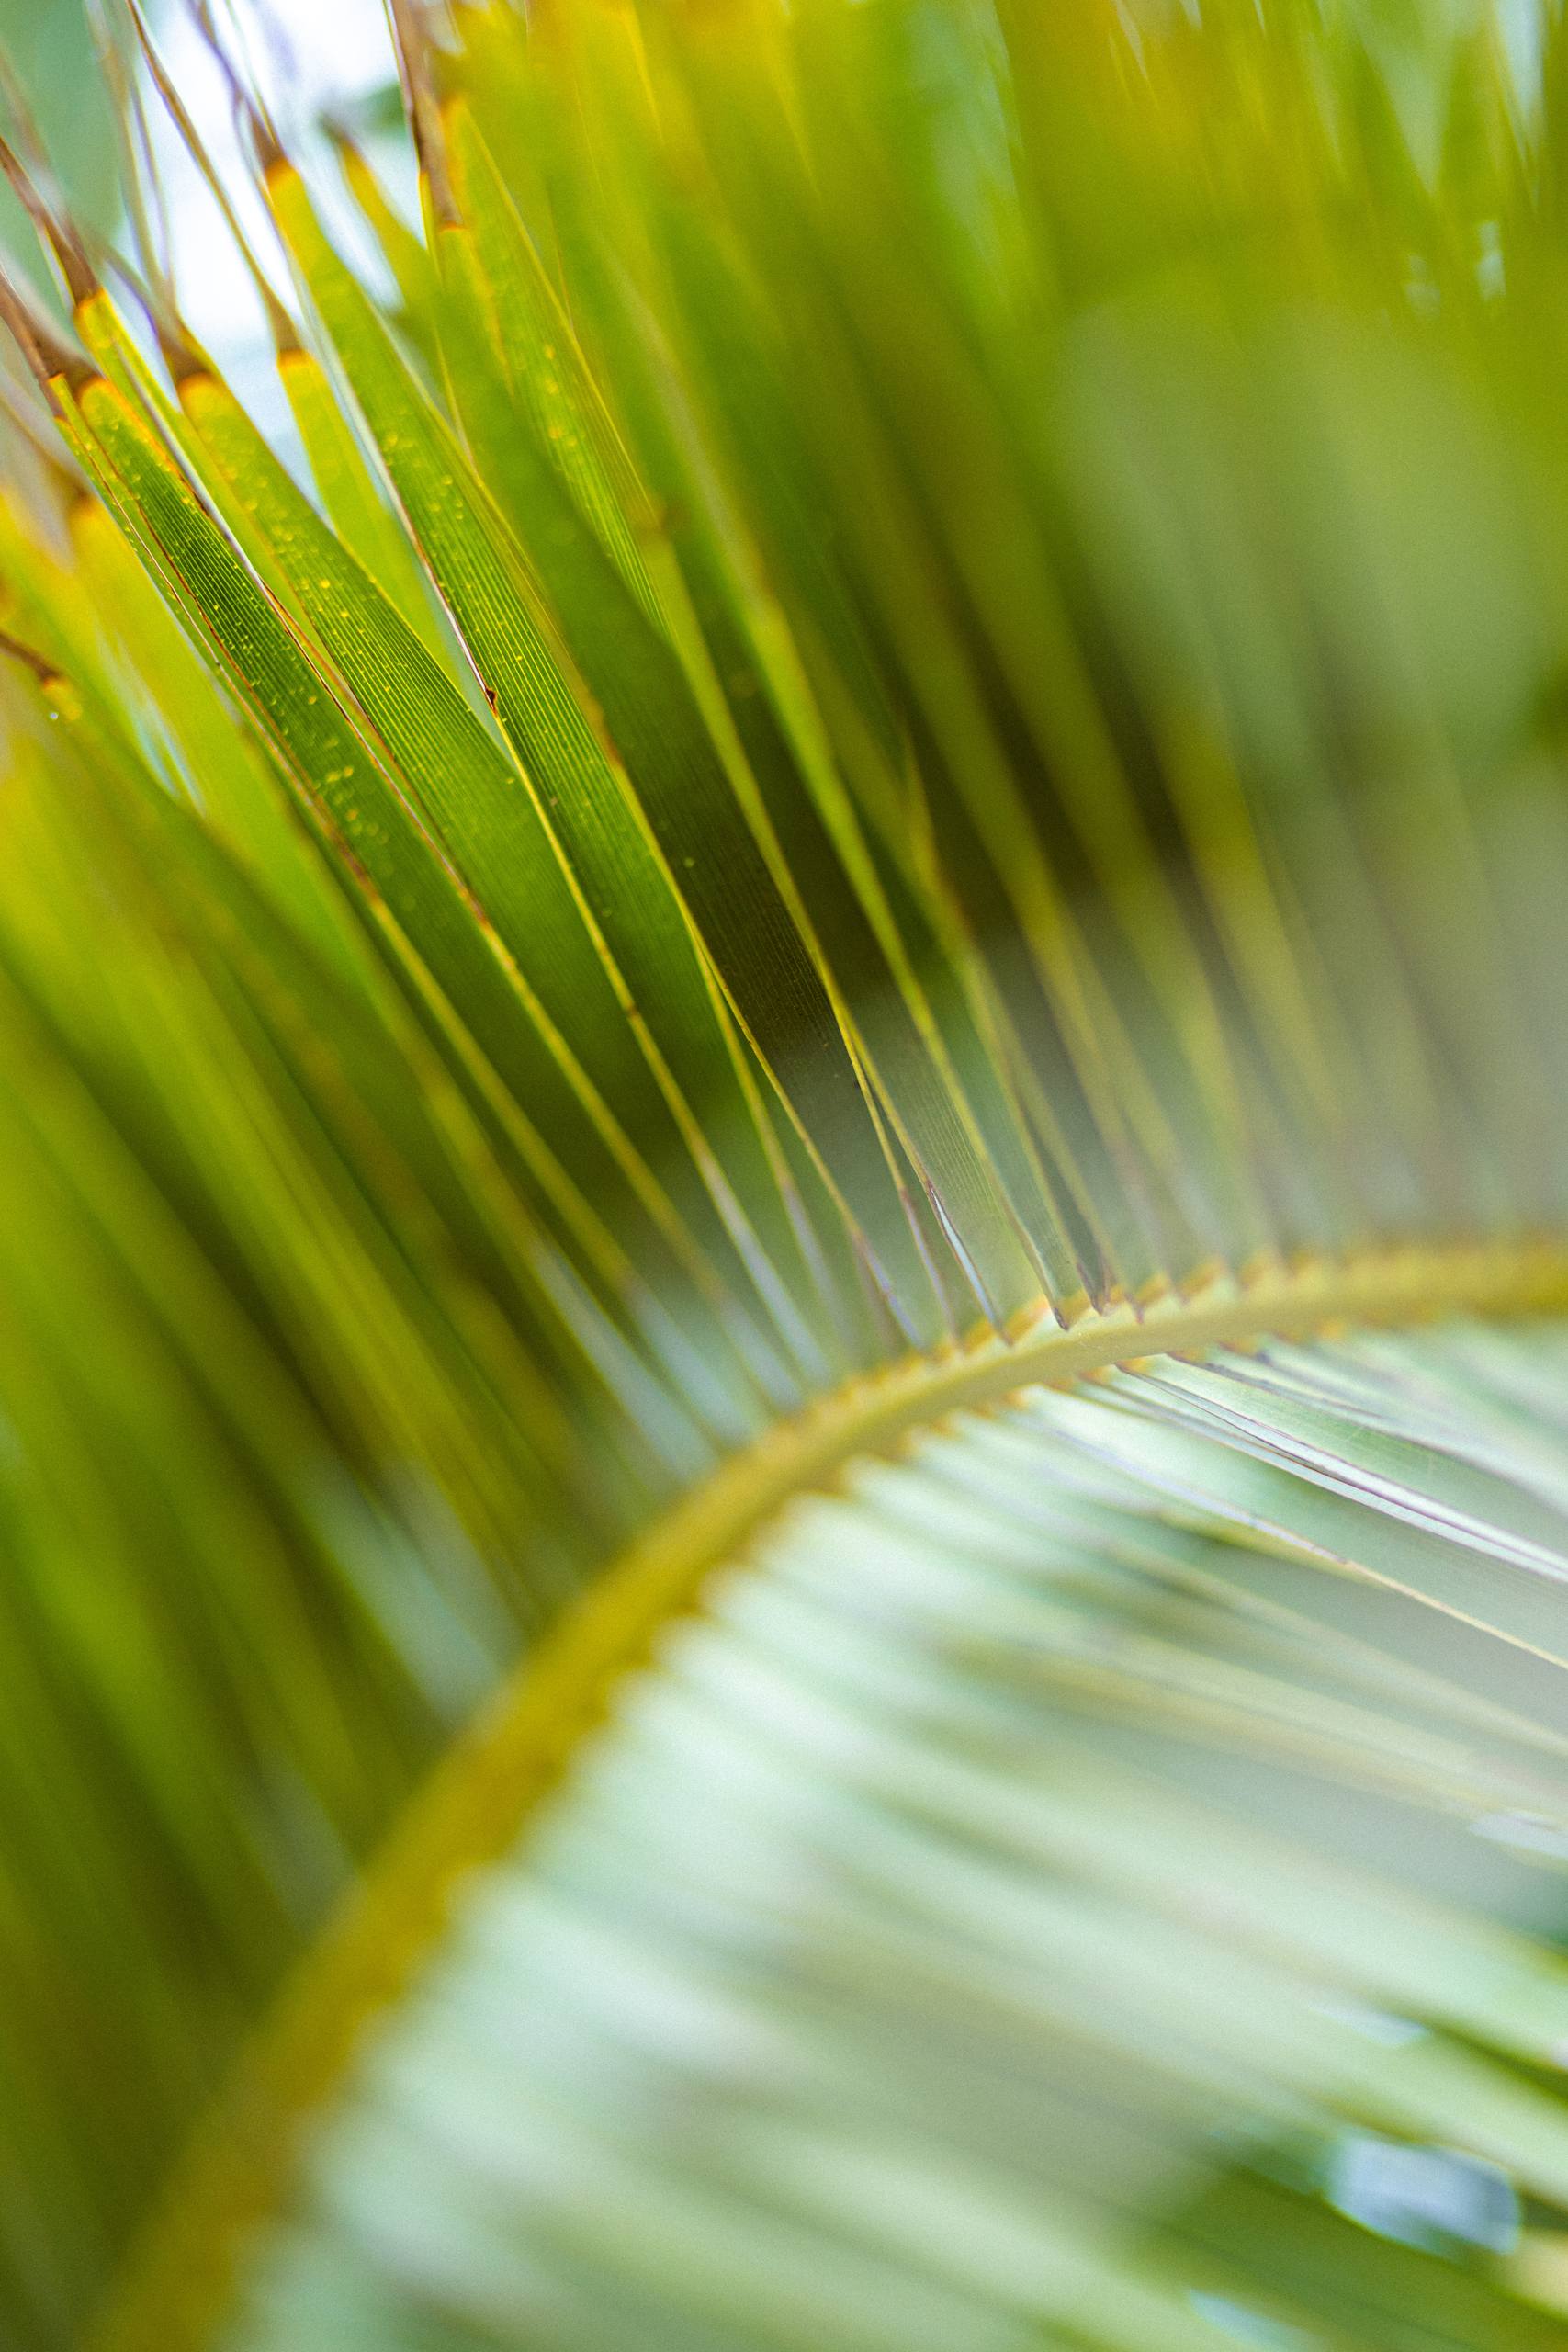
<point x="785" y="1235"/>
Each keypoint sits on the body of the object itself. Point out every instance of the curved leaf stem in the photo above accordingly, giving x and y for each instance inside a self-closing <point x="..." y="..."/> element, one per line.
<point x="175" y="2289"/>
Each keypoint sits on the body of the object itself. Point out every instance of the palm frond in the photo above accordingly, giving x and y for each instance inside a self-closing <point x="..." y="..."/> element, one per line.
<point x="786" y="1184"/>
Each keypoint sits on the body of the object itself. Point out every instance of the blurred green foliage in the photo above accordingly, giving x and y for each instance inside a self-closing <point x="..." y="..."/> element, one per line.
<point x="50" y="47"/>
